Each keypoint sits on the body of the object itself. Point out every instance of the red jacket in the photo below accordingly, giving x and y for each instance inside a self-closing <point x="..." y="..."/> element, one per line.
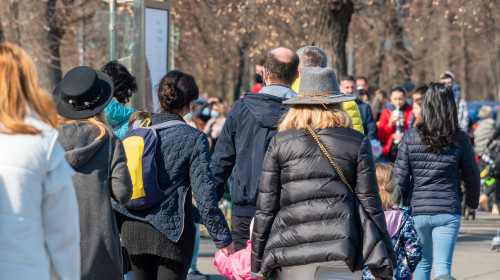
<point x="385" y="133"/>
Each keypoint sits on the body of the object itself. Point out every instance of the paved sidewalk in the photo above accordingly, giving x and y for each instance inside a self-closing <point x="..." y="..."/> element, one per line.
<point x="473" y="258"/>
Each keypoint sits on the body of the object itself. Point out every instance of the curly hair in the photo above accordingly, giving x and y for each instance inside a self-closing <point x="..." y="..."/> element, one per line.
<point x="123" y="82"/>
<point x="438" y="127"/>
<point x="177" y="90"/>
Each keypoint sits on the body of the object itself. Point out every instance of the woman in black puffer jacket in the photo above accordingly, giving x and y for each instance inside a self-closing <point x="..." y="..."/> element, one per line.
<point x="432" y="159"/>
<point x="306" y="223"/>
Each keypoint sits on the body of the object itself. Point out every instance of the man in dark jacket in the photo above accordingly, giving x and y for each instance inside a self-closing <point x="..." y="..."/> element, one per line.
<point x="347" y="85"/>
<point x="248" y="130"/>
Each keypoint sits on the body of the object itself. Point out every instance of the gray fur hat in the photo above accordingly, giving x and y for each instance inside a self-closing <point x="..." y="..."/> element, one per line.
<point x="319" y="86"/>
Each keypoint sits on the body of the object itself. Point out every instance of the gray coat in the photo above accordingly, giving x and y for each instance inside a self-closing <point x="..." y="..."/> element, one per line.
<point x="100" y="240"/>
<point x="484" y="130"/>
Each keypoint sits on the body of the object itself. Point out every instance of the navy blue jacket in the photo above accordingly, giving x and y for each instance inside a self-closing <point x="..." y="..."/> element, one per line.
<point x="431" y="182"/>
<point x="369" y="125"/>
<point x="243" y="142"/>
<point x="183" y="163"/>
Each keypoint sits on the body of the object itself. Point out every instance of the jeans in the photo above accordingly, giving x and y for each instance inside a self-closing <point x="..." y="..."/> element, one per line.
<point x="193" y="266"/>
<point x="438" y="235"/>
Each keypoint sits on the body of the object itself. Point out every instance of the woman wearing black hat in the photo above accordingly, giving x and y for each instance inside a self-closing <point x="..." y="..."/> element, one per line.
<point x="160" y="240"/>
<point x="98" y="158"/>
<point x="318" y="193"/>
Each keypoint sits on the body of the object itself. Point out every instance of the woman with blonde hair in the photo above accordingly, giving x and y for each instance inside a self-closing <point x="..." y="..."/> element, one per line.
<point x="99" y="159"/>
<point x="318" y="177"/>
<point x="38" y="207"/>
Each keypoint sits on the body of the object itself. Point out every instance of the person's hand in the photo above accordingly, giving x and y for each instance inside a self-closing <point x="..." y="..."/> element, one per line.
<point x="398" y="137"/>
<point x="212" y="100"/>
<point x="228" y="249"/>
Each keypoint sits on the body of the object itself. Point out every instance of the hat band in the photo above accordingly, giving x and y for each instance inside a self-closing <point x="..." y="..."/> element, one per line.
<point x="314" y="97"/>
<point x="86" y="104"/>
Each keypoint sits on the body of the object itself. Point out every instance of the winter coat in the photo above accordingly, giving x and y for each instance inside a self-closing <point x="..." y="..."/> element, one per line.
<point x="249" y="127"/>
<point x="369" y="126"/>
<point x="350" y="107"/>
<point x="117" y="116"/>
<point x="236" y="266"/>
<point x="100" y="240"/>
<point x="214" y="127"/>
<point x="183" y="164"/>
<point x="38" y="207"/>
<point x="430" y="182"/>
<point x="305" y="212"/>
<point x="406" y="243"/>
<point x="385" y="132"/>
<point x="482" y="135"/>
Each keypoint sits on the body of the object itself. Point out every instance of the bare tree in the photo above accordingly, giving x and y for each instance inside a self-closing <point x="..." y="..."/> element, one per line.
<point x="331" y="31"/>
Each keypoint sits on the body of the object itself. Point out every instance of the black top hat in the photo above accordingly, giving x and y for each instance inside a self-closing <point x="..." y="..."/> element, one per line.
<point x="83" y="93"/>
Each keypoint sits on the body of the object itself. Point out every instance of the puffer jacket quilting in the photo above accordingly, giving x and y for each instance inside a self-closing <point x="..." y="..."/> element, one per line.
<point x="305" y="212"/>
<point x="430" y="183"/>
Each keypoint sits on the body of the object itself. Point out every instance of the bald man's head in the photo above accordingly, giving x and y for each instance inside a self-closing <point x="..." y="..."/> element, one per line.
<point x="281" y="65"/>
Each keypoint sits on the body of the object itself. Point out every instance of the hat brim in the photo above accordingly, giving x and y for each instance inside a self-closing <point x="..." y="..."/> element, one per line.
<point x="324" y="100"/>
<point x="68" y="112"/>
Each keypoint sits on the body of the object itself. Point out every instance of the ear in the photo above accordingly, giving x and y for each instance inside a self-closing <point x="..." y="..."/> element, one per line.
<point x="265" y="74"/>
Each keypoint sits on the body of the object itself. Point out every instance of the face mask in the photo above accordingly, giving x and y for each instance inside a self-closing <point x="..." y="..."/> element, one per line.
<point x="409" y="101"/>
<point x="214" y="114"/>
<point x="189" y="115"/>
<point x="206" y="112"/>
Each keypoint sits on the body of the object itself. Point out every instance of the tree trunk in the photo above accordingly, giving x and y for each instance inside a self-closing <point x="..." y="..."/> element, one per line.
<point x="9" y="14"/>
<point x="52" y="68"/>
<point x="332" y="30"/>
<point x="35" y="27"/>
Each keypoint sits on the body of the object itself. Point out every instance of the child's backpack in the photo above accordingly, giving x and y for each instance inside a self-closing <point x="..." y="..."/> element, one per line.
<point x="140" y="148"/>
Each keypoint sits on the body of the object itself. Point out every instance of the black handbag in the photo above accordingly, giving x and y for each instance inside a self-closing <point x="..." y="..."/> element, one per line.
<point x="371" y="250"/>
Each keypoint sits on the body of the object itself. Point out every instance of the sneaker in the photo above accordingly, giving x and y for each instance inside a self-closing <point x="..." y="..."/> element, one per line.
<point x="483" y="203"/>
<point x="196" y="275"/>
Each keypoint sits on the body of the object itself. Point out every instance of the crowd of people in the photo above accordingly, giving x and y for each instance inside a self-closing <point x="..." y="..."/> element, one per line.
<point x="328" y="178"/>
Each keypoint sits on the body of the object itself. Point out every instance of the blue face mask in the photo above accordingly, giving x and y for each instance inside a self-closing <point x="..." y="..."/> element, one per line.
<point x="409" y="101"/>
<point x="205" y="112"/>
<point x="214" y="114"/>
<point x="189" y="115"/>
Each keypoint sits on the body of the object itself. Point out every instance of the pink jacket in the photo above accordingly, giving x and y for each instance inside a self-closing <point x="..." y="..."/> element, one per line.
<point x="236" y="266"/>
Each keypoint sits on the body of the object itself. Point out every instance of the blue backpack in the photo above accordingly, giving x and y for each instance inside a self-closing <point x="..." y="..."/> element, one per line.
<point x="140" y="148"/>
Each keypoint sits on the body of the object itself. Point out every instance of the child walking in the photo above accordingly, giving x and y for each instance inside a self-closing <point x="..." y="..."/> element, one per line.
<point x="238" y="265"/>
<point x="400" y="226"/>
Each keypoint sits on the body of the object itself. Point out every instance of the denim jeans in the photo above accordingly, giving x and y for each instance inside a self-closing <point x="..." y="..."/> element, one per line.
<point x="193" y="266"/>
<point x="438" y="235"/>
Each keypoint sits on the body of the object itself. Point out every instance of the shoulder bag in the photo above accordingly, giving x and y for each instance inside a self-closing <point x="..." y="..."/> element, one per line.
<point x="371" y="251"/>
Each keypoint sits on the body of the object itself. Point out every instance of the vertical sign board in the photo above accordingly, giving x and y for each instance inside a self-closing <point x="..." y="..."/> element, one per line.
<point x="156" y="46"/>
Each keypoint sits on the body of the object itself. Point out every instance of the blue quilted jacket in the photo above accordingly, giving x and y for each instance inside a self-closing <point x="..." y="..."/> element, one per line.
<point x="431" y="182"/>
<point x="183" y="163"/>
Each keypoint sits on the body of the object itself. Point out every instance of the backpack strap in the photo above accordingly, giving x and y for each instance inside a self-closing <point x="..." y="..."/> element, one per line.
<point x="167" y="124"/>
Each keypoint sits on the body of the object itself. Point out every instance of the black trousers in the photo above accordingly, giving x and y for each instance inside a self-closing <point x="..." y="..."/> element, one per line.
<point x="240" y="229"/>
<point x="151" y="267"/>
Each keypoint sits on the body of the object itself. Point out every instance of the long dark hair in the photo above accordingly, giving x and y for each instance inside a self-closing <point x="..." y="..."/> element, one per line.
<point x="438" y="127"/>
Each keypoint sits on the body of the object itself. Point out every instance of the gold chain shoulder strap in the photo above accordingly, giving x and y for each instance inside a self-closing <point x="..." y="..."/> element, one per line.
<point x="329" y="158"/>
